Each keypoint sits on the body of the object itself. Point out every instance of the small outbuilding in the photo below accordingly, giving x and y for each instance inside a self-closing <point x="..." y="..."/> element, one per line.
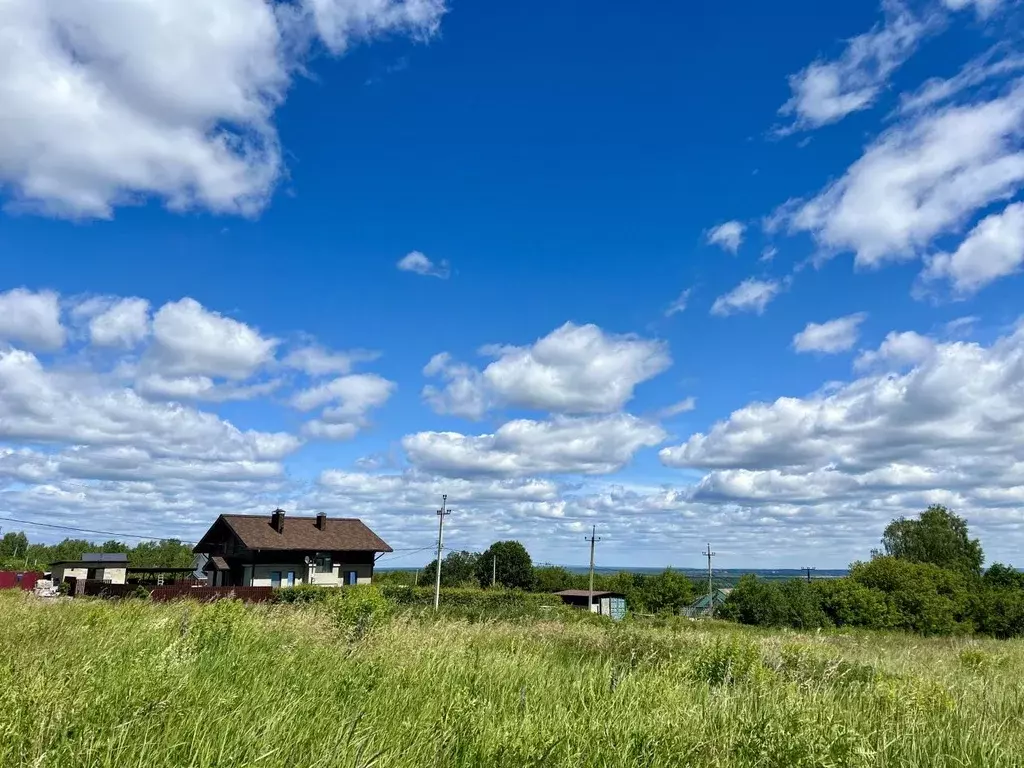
<point x="706" y="605"/>
<point x="111" y="567"/>
<point x="611" y="604"/>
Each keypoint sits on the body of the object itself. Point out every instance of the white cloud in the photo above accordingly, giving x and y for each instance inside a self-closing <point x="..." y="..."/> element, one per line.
<point x="827" y="91"/>
<point x="993" y="249"/>
<point x="189" y="339"/>
<point x="683" y="406"/>
<point x="317" y="361"/>
<point x="31" y="318"/>
<point x="728" y="236"/>
<point x="421" y="265"/>
<point x="751" y="295"/>
<point x="355" y="394"/>
<point x="37" y="405"/>
<point x="340" y="22"/>
<point x="960" y="408"/>
<point x="836" y="335"/>
<point x="589" y="445"/>
<point x="103" y="108"/>
<point x="353" y="397"/>
<point x="769" y="253"/>
<point x="984" y="8"/>
<point x="994" y="63"/>
<point x="680" y="304"/>
<point x="919" y="180"/>
<point x="155" y="386"/>
<point x="898" y="350"/>
<point x="124" y="324"/>
<point x="574" y="369"/>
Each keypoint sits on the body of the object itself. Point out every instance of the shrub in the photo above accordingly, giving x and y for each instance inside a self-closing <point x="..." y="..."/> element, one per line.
<point x="304" y="593"/>
<point x="358" y="609"/>
<point x="922" y="597"/>
<point x="847" y="603"/>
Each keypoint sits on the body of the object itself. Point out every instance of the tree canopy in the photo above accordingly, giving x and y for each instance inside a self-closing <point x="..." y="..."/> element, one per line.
<point x="937" y="537"/>
<point x="509" y="562"/>
<point x="17" y="552"/>
<point x="458" y="569"/>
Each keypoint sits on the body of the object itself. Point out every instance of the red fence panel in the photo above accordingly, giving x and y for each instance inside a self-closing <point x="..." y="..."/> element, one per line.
<point x="19" y="580"/>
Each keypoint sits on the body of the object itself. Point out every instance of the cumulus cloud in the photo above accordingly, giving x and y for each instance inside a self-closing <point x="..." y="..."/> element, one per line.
<point x="102" y="108"/>
<point x="124" y="323"/>
<point x="588" y="445"/>
<point x="834" y="336"/>
<point x="959" y="408"/>
<point x="897" y="351"/>
<point x="993" y="249"/>
<point x="317" y="361"/>
<point x="752" y="295"/>
<point x="576" y="369"/>
<point x="32" y="319"/>
<point x="827" y="91"/>
<point x="353" y="397"/>
<point x="683" y="406"/>
<point x="923" y="178"/>
<point x="421" y="265"/>
<point x="728" y="236"/>
<point x="189" y="339"/>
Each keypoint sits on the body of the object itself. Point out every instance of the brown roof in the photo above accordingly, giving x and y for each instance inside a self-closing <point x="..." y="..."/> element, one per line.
<point x="584" y="593"/>
<point x="340" y="533"/>
<point x="216" y="563"/>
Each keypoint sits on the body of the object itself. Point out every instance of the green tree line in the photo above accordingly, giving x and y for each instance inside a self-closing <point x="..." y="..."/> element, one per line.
<point x="928" y="577"/>
<point x="508" y="565"/>
<point x="18" y="553"/>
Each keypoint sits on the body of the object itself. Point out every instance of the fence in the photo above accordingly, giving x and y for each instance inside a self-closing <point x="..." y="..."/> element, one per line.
<point x="19" y="580"/>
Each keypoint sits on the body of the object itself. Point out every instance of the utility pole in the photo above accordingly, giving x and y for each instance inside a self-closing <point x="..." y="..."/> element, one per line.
<point x="494" y="570"/>
<point x="711" y="592"/>
<point x="441" y="514"/>
<point x="808" y="568"/>
<point x="593" y="539"/>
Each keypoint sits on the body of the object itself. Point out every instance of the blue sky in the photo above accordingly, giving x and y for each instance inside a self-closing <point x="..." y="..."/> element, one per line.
<point x="738" y="273"/>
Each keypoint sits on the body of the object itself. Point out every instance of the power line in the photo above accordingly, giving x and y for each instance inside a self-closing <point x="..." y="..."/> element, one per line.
<point x="442" y="513"/>
<point x="711" y="593"/>
<point x="593" y="539"/>
<point x="808" y="568"/>
<point x="89" y="530"/>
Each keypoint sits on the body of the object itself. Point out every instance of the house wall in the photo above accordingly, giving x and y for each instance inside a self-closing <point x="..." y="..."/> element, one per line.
<point x="113" y="575"/>
<point x="61" y="572"/>
<point x="259" y="575"/>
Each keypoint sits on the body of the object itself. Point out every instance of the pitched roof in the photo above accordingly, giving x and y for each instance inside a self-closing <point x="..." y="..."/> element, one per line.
<point x="340" y="533"/>
<point x="216" y="563"/>
<point x="584" y="593"/>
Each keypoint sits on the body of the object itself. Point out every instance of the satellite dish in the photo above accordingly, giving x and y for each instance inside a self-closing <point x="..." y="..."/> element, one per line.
<point x="308" y="559"/>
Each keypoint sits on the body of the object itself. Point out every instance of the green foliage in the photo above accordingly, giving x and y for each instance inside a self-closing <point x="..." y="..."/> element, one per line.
<point x="554" y="578"/>
<point x="358" y="609"/>
<point x="1003" y="577"/>
<point x="513" y="564"/>
<point x="757" y="602"/>
<point x="305" y="593"/>
<point x="937" y="537"/>
<point x="665" y="592"/>
<point x="16" y="551"/>
<point x="922" y="597"/>
<point x="847" y="603"/>
<point x="725" y="661"/>
<point x="458" y="569"/>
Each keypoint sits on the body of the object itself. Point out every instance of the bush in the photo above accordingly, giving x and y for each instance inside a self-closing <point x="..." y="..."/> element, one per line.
<point x="304" y="593"/>
<point x="847" y="603"/>
<point x="756" y="602"/>
<point x="358" y="609"/>
<point x="476" y="603"/>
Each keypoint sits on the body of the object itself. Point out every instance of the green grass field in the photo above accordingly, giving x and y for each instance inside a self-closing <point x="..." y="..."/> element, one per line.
<point x="91" y="683"/>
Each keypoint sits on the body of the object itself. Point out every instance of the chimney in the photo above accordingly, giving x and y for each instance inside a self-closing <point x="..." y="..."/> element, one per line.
<point x="321" y="521"/>
<point x="277" y="520"/>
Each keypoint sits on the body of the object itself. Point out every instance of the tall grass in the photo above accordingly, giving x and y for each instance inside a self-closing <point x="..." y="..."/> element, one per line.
<point x="90" y="683"/>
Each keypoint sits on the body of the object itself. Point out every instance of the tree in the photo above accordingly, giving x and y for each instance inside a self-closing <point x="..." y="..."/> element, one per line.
<point x="1003" y="577"/>
<point x="665" y="592"/>
<point x="553" y="578"/>
<point x="937" y="537"/>
<point x="458" y="569"/>
<point x="514" y="568"/>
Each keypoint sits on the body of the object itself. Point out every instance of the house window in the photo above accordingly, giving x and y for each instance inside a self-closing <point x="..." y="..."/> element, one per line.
<point x="290" y="580"/>
<point x="351" y="577"/>
<point x="275" y="579"/>
<point x="324" y="564"/>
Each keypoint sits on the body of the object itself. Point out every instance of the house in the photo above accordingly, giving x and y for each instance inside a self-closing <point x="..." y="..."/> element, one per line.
<point x="702" y="605"/>
<point x="605" y="603"/>
<point x="272" y="551"/>
<point x="111" y="567"/>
